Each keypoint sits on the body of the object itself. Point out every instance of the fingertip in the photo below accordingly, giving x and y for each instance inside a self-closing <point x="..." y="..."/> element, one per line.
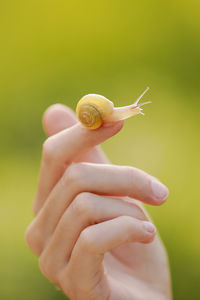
<point x="114" y="127"/>
<point x="120" y="124"/>
<point x="112" y="124"/>
<point x="102" y="133"/>
<point x="117" y="127"/>
<point x="160" y="192"/>
<point x="150" y="232"/>
<point x="149" y="227"/>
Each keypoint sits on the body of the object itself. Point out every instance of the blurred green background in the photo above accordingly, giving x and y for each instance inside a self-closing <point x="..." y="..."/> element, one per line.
<point x="58" y="51"/>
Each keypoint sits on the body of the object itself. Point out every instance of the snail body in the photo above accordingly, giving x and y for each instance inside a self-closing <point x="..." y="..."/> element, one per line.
<point x="92" y="110"/>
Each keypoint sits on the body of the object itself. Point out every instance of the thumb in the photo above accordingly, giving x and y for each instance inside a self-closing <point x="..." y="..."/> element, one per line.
<point x="58" y="117"/>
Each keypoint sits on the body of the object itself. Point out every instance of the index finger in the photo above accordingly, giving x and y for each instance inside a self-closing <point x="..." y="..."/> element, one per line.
<point x="61" y="149"/>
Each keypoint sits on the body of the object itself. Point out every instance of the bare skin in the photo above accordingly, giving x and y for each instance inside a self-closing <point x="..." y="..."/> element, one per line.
<point x="93" y="238"/>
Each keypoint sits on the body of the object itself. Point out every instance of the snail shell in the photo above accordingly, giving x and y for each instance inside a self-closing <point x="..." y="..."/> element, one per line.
<point x="92" y="110"/>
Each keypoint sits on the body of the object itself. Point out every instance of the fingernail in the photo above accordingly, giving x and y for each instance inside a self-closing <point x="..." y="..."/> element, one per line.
<point x="160" y="191"/>
<point x="149" y="227"/>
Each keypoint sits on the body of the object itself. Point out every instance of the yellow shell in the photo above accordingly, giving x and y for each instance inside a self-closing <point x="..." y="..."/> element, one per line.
<point x="92" y="109"/>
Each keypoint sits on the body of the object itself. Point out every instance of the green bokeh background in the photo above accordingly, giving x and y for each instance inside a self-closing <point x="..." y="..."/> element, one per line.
<point x="58" y="51"/>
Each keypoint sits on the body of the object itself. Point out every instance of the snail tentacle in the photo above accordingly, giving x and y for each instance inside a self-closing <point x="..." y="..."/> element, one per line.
<point x="124" y="112"/>
<point x="138" y="99"/>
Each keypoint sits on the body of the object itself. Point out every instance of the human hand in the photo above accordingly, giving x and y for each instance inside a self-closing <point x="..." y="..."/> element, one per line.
<point x="93" y="239"/>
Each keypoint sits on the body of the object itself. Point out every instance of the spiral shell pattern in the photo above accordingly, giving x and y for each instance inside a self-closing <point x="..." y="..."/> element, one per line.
<point x="92" y="110"/>
<point x="89" y="116"/>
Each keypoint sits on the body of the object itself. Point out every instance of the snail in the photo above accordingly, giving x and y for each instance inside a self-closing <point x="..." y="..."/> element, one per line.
<point x="92" y="110"/>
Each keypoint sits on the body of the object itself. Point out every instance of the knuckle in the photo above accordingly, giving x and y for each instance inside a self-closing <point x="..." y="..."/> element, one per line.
<point x="126" y="220"/>
<point x="48" y="149"/>
<point x="83" y="204"/>
<point x="33" y="239"/>
<point x="74" y="175"/>
<point x="67" y="281"/>
<point x="87" y="241"/>
<point x="44" y="265"/>
<point x="28" y="238"/>
<point x="47" y="267"/>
